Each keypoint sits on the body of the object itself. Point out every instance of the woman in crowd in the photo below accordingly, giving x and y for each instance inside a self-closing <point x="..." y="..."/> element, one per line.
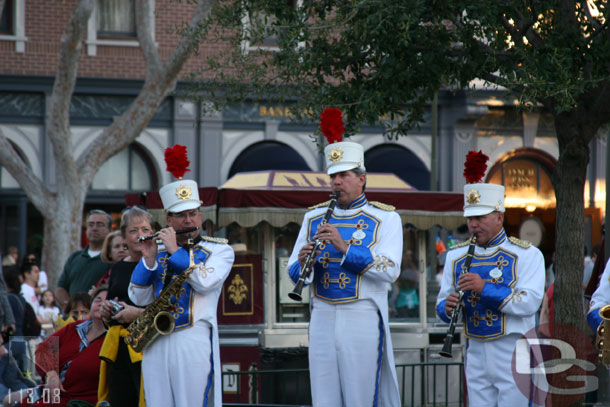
<point x="113" y="250"/>
<point x="123" y="365"/>
<point x="68" y="361"/>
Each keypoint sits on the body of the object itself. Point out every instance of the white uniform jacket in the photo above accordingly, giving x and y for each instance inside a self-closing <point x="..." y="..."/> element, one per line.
<point x="513" y="272"/>
<point x="372" y="262"/>
<point x="600" y="297"/>
<point x="200" y="293"/>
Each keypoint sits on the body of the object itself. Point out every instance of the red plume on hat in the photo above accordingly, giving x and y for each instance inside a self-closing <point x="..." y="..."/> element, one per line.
<point x="331" y="125"/>
<point x="475" y="166"/>
<point x="177" y="160"/>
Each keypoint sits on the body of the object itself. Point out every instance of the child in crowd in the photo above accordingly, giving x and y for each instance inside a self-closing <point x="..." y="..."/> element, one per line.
<point x="49" y="311"/>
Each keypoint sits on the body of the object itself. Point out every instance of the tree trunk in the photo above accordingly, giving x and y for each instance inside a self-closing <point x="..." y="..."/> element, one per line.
<point x="569" y="184"/>
<point x="62" y="234"/>
<point x="573" y="134"/>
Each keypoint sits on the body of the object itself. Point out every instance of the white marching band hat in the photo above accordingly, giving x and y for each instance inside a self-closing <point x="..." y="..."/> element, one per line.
<point x="180" y="195"/>
<point x="183" y="194"/>
<point x="481" y="199"/>
<point x="343" y="156"/>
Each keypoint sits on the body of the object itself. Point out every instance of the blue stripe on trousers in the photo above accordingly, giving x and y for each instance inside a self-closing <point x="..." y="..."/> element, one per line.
<point x="379" y="359"/>
<point x="211" y="375"/>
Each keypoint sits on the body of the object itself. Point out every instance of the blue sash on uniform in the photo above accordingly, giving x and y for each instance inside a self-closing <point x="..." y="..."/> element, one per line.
<point x="484" y="321"/>
<point x="332" y="282"/>
<point x="182" y="311"/>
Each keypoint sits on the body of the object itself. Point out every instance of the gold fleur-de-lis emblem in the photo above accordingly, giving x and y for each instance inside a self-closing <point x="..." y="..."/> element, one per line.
<point x="335" y="154"/>
<point x="238" y="290"/>
<point x="473" y="197"/>
<point x="183" y="192"/>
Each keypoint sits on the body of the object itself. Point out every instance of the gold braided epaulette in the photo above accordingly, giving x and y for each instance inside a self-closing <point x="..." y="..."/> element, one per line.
<point x="520" y="242"/>
<point x="382" y="206"/>
<point x="320" y="205"/>
<point x="466" y="243"/>
<point x="218" y="240"/>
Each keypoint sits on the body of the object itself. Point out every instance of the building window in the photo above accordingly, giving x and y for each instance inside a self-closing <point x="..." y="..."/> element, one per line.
<point x="138" y="177"/>
<point x="113" y="23"/>
<point x="12" y="23"/>
<point x="6" y="19"/>
<point x="115" y="18"/>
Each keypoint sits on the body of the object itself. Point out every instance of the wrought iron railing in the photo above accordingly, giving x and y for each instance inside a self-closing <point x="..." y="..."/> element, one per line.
<point x="424" y="384"/>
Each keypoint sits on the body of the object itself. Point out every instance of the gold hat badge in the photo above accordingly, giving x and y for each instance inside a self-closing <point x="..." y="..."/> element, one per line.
<point x="183" y="192"/>
<point x="473" y="197"/>
<point x="335" y="154"/>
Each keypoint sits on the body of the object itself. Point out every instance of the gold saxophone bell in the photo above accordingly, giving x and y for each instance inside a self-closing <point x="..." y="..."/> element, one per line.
<point x="164" y="323"/>
<point x="603" y="336"/>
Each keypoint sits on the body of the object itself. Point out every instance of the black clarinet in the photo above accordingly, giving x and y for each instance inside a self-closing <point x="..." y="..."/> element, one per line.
<point x="178" y="232"/>
<point x="446" y="351"/>
<point x="308" y="266"/>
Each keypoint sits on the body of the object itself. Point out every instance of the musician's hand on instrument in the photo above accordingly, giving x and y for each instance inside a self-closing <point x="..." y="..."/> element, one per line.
<point x="450" y="303"/>
<point x="305" y="251"/>
<point x="471" y="281"/>
<point x="331" y="234"/>
<point x="168" y="237"/>
<point x="149" y="251"/>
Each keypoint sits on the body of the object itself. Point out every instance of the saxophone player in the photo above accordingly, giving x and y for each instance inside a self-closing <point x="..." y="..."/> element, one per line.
<point x="183" y="368"/>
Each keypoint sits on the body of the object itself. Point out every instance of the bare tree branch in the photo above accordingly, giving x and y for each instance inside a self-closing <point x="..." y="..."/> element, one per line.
<point x="13" y="163"/>
<point x="59" y="107"/>
<point x="145" y="30"/>
<point x="159" y="83"/>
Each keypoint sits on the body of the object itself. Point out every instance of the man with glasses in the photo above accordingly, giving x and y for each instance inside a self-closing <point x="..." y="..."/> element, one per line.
<point x="85" y="267"/>
<point x="183" y="368"/>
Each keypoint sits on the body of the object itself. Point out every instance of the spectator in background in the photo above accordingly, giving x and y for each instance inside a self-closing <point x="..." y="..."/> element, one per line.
<point x="78" y="306"/>
<point x="69" y="363"/>
<point x="85" y="267"/>
<point x="18" y="304"/>
<point x="12" y="257"/>
<point x="123" y="367"/>
<point x="49" y="311"/>
<point x="43" y="281"/>
<point x="114" y="249"/>
<point x="30" y="273"/>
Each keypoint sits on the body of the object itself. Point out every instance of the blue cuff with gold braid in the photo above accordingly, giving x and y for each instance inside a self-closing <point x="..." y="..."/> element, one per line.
<point x="357" y="259"/>
<point x="594" y="319"/>
<point x="294" y="271"/>
<point x="141" y="275"/>
<point x="440" y="311"/>
<point x="493" y="295"/>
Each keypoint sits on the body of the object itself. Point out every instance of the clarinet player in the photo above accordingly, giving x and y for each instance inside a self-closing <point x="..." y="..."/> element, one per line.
<point x="350" y="352"/>
<point x="502" y="292"/>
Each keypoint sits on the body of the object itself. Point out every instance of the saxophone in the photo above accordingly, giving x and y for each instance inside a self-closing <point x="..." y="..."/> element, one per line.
<point x="156" y="319"/>
<point x="602" y="341"/>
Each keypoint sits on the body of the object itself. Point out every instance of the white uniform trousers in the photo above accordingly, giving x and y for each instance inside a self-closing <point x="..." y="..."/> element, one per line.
<point x="489" y="376"/>
<point x="177" y="369"/>
<point x="345" y="354"/>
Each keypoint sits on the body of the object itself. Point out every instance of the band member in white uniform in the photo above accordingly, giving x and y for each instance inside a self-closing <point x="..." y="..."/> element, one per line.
<point x="351" y="359"/>
<point x="502" y="293"/>
<point x="183" y="368"/>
